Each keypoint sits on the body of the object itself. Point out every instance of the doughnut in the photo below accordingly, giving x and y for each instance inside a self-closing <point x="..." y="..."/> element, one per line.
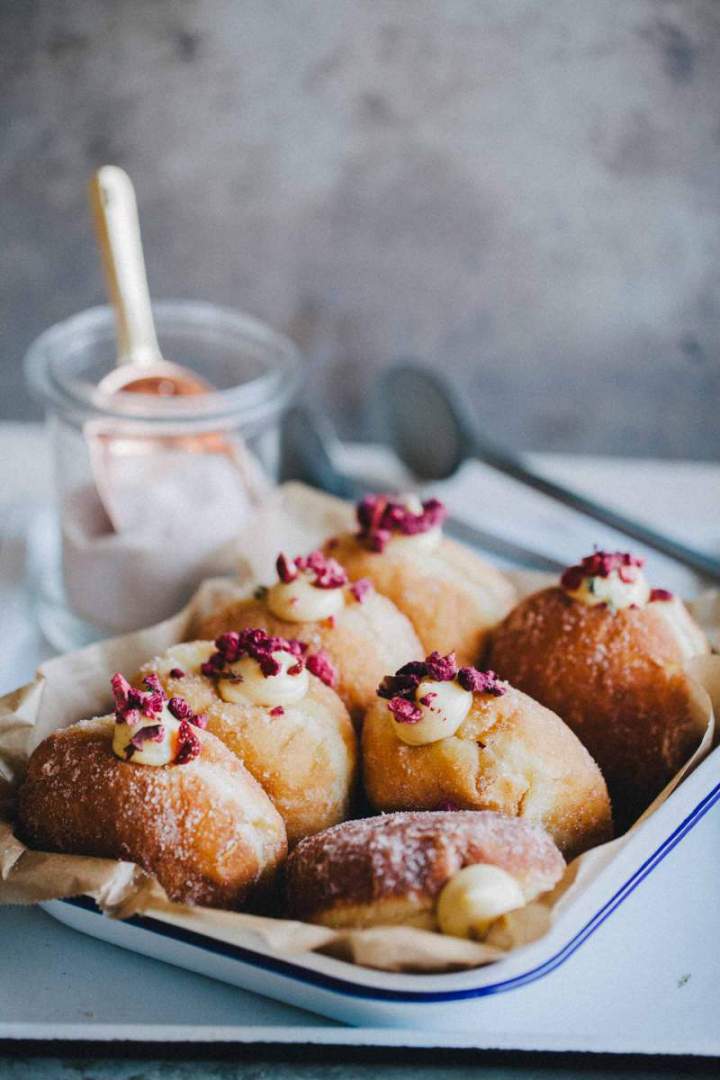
<point x="453" y="871"/>
<point x="291" y="731"/>
<point x="357" y="633"/>
<point x="439" y="736"/>
<point x="149" y="787"/>
<point x="449" y="594"/>
<point x="605" y="652"/>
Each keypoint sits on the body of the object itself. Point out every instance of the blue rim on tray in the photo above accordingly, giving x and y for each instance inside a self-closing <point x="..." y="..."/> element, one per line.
<point x="342" y="986"/>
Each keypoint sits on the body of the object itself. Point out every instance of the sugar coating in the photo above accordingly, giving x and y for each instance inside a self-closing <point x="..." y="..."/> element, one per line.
<point x="205" y="829"/>
<point x="411" y="856"/>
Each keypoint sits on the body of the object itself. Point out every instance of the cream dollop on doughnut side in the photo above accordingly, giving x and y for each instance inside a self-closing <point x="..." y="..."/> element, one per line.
<point x="429" y="699"/>
<point x="309" y="589"/>
<point x="150" y="729"/>
<point x="614" y="579"/>
<point x="392" y="870"/>
<point x="402" y="521"/>
<point x="474" y="898"/>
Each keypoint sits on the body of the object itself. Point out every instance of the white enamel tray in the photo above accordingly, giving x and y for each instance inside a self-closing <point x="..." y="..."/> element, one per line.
<point x="361" y="996"/>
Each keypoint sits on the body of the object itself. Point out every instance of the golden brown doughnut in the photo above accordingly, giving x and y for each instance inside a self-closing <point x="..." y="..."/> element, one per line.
<point x="389" y="870"/>
<point x="508" y="754"/>
<point x="363" y="640"/>
<point x="451" y="596"/>
<point x="304" y="753"/>
<point x="205" y="829"/>
<point x="614" y="676"/>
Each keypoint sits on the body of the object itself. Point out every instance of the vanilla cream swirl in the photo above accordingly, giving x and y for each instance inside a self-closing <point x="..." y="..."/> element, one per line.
<point x="248" y="685"/>
<point x="401" y="521"/>
<point x="149" y="729"/>
<point x="612" y="579"/>
<point x="429" y="699"/>
<point x="252" y="667"/>
<point x="309" y="589"/>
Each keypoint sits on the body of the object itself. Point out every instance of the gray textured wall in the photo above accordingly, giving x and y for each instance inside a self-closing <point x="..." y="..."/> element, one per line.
<point x="526" y="191"/>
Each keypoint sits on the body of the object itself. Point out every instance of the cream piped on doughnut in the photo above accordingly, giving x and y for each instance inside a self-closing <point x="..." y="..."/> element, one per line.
<point x="614" y="579"/>
<point x="474" y="898"/>
<point x="309" y="588"/>
<point x="248" y="684"/>
<point x="149" y="729"/>
<point x="256" y="668"/>
<point x="443" y="707"/>
<point x="402" y="521"/>
<point x="429" y="699"/>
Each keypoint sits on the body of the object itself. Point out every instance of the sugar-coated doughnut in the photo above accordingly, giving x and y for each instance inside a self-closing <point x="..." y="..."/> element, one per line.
<point x="390" y="870"/>
<point x="451" y="596"/>
<point x="203" y="827"/>
<point x="605" y="652"/>
<point x="487" y="747"/>
<point x="359" y="633"/>
<point x="290" y="730"/>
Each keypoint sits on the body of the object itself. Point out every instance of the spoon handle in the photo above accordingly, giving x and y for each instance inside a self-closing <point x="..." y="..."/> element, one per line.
<point x="114" y="206"/>
<point x="514" y="467"/>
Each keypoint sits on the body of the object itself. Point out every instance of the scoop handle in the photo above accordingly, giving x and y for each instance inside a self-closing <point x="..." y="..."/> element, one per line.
<point x="114" y="206"/>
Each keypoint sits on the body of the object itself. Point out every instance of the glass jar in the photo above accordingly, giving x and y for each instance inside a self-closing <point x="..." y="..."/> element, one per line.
<point x="151" y="489"/>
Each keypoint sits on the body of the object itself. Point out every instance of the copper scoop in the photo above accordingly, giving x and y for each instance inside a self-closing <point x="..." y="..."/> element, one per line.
<point x="141" y="368"/>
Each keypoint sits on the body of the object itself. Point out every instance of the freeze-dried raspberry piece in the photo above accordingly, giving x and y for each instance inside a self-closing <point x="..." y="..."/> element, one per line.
<point x="322" y="667"/>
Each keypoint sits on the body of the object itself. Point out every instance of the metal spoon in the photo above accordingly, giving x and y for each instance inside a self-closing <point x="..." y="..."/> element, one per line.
<point x="306" y="453"/>
<point x="433" y="432"/>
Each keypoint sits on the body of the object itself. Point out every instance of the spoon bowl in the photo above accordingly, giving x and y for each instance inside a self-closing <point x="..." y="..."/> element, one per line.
<point x="424" y="421"/>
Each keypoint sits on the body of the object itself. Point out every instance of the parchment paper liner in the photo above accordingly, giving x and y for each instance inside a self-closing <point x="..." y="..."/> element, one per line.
<point x="75" y="686"/>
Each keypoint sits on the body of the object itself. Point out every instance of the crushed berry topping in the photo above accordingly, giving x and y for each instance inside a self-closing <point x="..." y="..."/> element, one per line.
<point x="427" y="699"/>
<point x="380" y="516"/>
<point x="322" y="572"/>
<point x="177" y="673"/>
<point x="481" y="682"/>
<point x="660" y="594"/>
<point x="405" y="711"/>
<point x="188" y="744"/>
<point x="441" y="668"/>
<point x="132" y="705"/>
<point x="602" y="564"/>
<point x="181" y="711"/>
<point x="322" y="667"/>
<point x="402" y="686"/>
<point x="277" y="711"/>
<point x="152" y="733"/>
<point x="179" y="708"/>
<point x="286" y="570"/>
<point x="361" y="589"/>
<point x="257" y="644"/>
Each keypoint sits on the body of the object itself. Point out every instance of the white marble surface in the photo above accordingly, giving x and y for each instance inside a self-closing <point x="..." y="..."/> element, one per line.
<point x="646" y="982"/>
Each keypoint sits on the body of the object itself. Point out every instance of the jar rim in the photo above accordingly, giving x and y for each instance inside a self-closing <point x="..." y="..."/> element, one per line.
<point x="252" y="402"/>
